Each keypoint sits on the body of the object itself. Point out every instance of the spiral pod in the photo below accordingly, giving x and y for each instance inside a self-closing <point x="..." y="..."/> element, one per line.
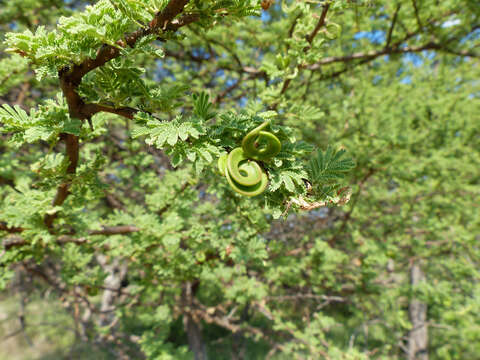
<point x="240" y="166"/>
<point x="261" y="145"/>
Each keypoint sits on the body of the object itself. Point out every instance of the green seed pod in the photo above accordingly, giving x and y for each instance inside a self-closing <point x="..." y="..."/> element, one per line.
<point x="243" y="173"/>
<point x="261" y="145"/>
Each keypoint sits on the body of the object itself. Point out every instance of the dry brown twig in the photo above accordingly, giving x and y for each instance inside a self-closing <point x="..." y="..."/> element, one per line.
<point x="343" y="196"/>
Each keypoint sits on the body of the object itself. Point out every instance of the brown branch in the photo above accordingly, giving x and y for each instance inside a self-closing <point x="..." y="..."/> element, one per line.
<point x="294" y="24"/>
<point x="113" y="202"/>
<point x="183" y="55"/>
<point x="199" y="310"/>
<point x="396" y="48"/>
<point x="179" y="192"/>
<point x="217" y="315"/>
<point x="392" y="25"/>
<point x="371" y="55"/>
<point x="125" y="111"/>
<point x="65" y="239"/>
<point x="161" y="21"/>
<point x="344" y="70"/>
<point x="459" y="52"/>
<point x="292" y="29"/>
<point x="12" y="241"/>
<point x="417" y="15"/>
<point x="232" y="53"/>
<point x="22" y="93"/>
<point x="286" y="83"/>
<point x="72" y="150"/>
<point x="182" y="21"/>
<point x="115" y="230"/>
<point x="71" y="77"/>
<point x="320" y="24"/>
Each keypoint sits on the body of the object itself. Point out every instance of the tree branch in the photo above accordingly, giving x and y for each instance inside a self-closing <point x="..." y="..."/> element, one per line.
<point x="125" y="111"/>
<point x="417" y="15"/>
<point x="387" y="51"/>
<point x="115" y="230"/>
<point x="320" y="24"/>
<point x="71" y="77"/>
<point x="392" y="25"/>
<point x="161" y="21"/>
<point x="72" y="150"/>
<point x="16" y="241"/>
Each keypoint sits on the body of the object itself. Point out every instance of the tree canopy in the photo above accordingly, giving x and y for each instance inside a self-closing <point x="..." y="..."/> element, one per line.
<point x="131" y="130"/>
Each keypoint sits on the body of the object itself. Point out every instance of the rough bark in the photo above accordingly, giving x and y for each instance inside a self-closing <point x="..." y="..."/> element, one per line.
<point x="418" y="336"/>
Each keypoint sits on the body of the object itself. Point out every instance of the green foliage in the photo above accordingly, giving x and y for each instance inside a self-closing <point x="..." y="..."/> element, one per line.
<point x="44" y="123"/>
<point x="202" y="107"/>
<point x="15" y="65"/>
<point x="328" y="167"/>
<point x="147" y="245"/>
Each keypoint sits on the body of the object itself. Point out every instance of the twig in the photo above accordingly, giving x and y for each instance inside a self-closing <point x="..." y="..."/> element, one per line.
<point x="115" y="230"/>
<point x="320" y="24"/>
<point x="306" y="296"/>
<point x="392" y="25"/>
<point x="417" y="15"/>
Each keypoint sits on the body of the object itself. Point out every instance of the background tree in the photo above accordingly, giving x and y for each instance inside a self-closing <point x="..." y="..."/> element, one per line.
<point x="113" y="205"/>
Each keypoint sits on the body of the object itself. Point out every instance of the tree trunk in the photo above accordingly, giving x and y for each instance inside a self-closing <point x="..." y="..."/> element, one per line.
<point x="191" y="325"/>
<point x="418" y="336"/>
<point x="194" y="334"/>
<point x="116" y="273"/>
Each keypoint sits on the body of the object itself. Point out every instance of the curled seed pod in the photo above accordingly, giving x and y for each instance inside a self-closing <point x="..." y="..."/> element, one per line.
<point x="261" y="145"/>
<point x="222" y="163"/>
<point x="242" y="170"/>
<point x="243" y="173"/>
<point x="245" y="176"/>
